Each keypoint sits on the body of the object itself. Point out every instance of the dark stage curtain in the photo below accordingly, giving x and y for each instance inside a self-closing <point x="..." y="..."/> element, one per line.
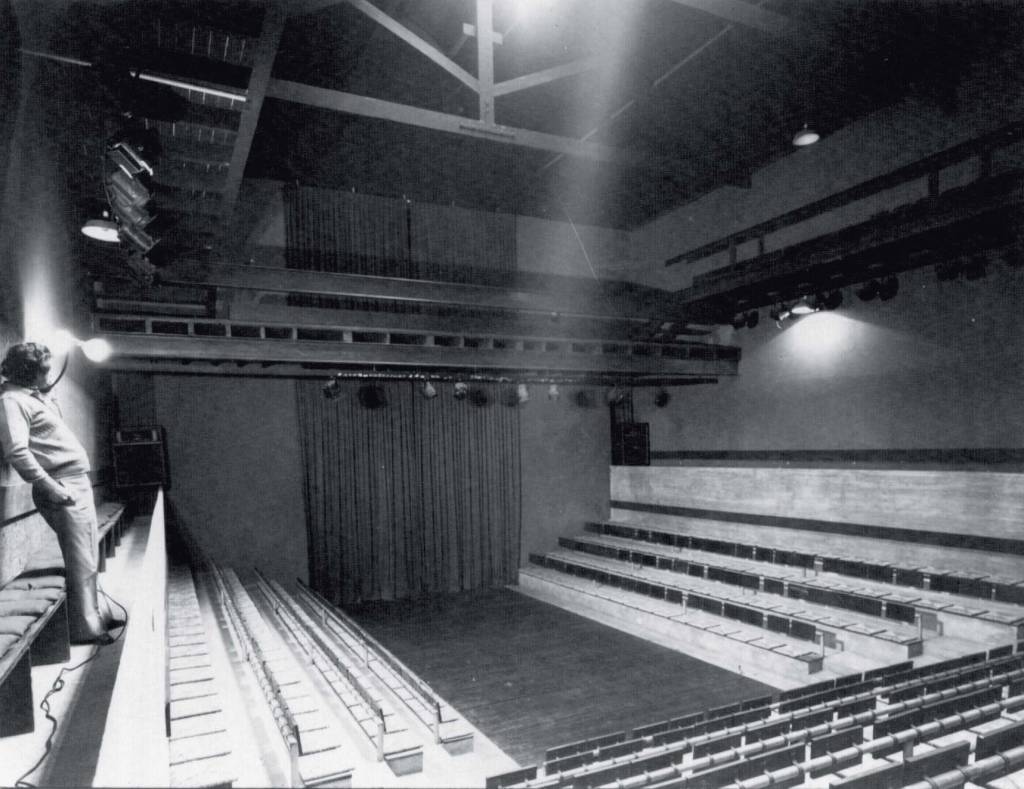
<point x="415" y="497"/>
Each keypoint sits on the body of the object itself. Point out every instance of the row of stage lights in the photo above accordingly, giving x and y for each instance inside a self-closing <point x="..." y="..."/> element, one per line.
<point x="373" y="396"/>
<point x="884" y="290"/>
<point x="126" y="179"/>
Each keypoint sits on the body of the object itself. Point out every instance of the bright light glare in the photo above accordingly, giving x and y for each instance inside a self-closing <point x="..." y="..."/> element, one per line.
<point x="61" y="342"/>
<point x="821" y="337"/>
<point x="97" y="350"/>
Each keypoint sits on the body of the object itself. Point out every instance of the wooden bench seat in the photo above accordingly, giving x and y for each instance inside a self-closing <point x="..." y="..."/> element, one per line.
<point x="694" y="628"/>
<point x="286" y="688"/>
<point x="394" y="742"/>
<point x="809" y="620"/>
<point x="694" y="532"/>
<point x="111" y="525"/>
<point x="448" y="729"/>
<point x="759" y="571"/>
<point x="793" y="740"/>
<point x="33" y="631"/>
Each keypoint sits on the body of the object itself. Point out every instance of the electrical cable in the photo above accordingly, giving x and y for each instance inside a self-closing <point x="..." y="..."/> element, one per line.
<point x="57" y="687"/>
<point x="44" y="705"/>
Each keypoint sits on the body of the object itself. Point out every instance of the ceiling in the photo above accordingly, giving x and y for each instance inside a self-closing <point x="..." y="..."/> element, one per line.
<point x="606" y="112"/>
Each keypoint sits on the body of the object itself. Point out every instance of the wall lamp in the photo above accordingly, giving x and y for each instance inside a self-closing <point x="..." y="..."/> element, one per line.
<point x="95" y="350"/>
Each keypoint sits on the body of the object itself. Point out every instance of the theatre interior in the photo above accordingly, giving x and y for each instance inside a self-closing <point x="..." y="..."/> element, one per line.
<point x="521" y="394"/>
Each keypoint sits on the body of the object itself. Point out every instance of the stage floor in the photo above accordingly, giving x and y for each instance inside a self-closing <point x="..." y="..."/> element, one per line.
<point x="530" y="675"/>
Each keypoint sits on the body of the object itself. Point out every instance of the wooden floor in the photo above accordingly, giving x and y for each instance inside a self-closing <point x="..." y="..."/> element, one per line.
<point x="531" y="676"/>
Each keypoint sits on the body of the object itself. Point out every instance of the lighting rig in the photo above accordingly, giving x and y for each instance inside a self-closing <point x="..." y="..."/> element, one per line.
<point x="125" y="183"/>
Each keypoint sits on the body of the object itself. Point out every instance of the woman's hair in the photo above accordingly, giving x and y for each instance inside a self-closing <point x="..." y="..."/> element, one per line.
<point x="23" y="362"/>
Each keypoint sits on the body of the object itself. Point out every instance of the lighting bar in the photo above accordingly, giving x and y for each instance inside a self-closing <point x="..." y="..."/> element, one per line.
<point x="144" y="75"/>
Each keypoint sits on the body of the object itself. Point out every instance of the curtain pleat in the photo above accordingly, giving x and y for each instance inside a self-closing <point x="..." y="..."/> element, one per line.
<point x="414" y="498"/>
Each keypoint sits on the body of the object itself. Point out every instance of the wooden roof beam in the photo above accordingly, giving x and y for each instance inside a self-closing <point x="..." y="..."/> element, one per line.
<point x="454" y="124"/>
<point x="274" y="20"/>
<point x="422" y="46"/>
<point x="742" y="13"/>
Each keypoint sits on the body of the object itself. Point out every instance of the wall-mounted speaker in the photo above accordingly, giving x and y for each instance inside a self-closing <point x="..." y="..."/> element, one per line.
<point x="631" y="445"/>
<point x="140" y="458"/>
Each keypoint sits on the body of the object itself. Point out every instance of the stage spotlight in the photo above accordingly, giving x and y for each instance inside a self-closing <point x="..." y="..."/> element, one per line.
<point x="802" y="306"/>
<point x="753" y="318"/>
<point x="805" y="136"/>
<point x="101" y="230"/>
<point x="888" y="288"/>
<point x="617" y="395"/>
<point x="868" y="291"/>
<point x="332" y="389"/>
<point x="372" y="397"/>
<point x="661" y="398"/>
<point x="461" y="390"/>
<point x="522" y="394"/>
<point x="428" y="390"/>
<point x="553" y="393"/>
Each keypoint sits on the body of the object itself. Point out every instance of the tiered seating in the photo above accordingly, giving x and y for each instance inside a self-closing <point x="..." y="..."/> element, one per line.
<point x="341" y="670"/>
<point x="448" y="728"/>
<point x="881" y="590"/>
<point x="659" y="609"/>
<point x="881" y="728"/>
<point x="199" y="745"/>
<point x="111" y="527"/>
<point x="34" y="625"/>
<point x="779" y="604"/>
<point x="941" y="576"/>
<point x="312" y="739"/>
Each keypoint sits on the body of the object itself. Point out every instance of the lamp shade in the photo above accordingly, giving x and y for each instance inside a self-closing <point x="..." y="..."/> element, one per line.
<point x="806" y="136"/>
<point x="802" y="307"/>
<point x="101" y="230"/>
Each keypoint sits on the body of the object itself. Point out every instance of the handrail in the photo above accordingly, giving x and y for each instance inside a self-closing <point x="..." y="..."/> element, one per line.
<point x="283" y="717"/>
<point x="425" y="691"/>
<point x="284" y="609"/>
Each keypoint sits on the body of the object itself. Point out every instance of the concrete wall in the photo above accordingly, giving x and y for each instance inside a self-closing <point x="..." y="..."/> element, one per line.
<point x="566" y="452"/>
<point x="987" y="98"/>
<point x="939" y="366"/>
<point x="236" y="468"/>
<point x="41" y="279"/>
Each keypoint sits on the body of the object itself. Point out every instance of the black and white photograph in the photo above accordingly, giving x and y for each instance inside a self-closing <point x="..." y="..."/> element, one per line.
<point x="512" y="394"/>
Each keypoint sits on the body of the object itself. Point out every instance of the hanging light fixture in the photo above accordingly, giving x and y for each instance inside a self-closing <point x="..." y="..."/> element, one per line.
<point x="806" y="136"/>
<point x="802" y="306"/>
<point x="101" y="230"/>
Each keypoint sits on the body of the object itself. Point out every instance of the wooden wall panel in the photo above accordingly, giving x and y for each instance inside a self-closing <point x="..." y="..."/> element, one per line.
<point x="987" y="504"/>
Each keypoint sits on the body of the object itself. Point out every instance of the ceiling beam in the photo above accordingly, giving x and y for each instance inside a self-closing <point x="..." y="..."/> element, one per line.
<point x="416" y="42"/>
<point x="164" y="347"/>
<point x="262" y="278"/>
<point x="454" y="124"/>
<point x="743" y="13"/>
<point x="534" y="325"/>
<point x="485" y="58"/>
<point x="547" y="75"/>
<point x="274" y="18"/>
